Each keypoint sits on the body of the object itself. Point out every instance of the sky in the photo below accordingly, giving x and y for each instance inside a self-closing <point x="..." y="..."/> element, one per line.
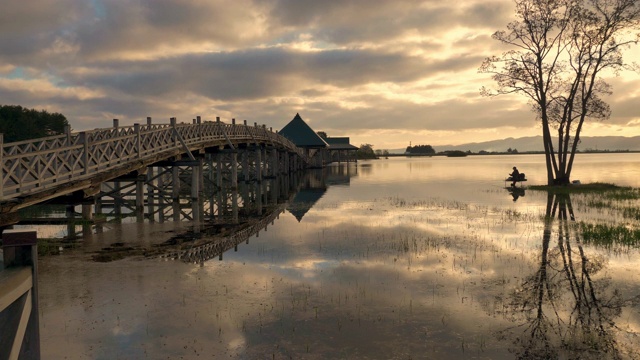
<point x="384" y="72"/>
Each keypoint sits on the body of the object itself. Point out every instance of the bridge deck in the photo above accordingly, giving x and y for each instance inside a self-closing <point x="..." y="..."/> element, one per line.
<point x="37" y="170"/>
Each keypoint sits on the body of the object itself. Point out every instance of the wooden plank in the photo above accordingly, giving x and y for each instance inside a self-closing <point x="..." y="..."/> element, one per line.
<point x="22" y="328"/>
<point x="14" y="282"/>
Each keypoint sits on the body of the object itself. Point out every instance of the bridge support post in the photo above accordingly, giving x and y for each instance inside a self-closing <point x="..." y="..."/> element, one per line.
<point x="140" y="199"/>
<point x="117" y="200"/>
<point x="1" y="162"/>
<point x="259" y="198"/>
<point x="87" y="213"/>
<point x="234" y="170"/>
<point x="234" y="206"/>
<point x="175" y="192"/>
<point x="150" y="191"/>
<point x="258" y="165"/>
<point x="265" y="162"/>
<point x="219" y="185"/>
<point x="196" y="174"/>
<point x="20" y="248"/>
<point x="287" y="168"/>
<point x="245" y="166"/>
<point x="161" y="193"/>
<point x="71" y="224"/>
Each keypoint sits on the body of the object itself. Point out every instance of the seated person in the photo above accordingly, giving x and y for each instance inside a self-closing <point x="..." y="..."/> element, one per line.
<point x="514" y="176"/>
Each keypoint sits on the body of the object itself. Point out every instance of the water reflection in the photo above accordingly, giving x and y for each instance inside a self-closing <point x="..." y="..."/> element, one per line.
<point x="516" y="192"/>
<point x="566" y="309"/>
<point x="386" y="264"/>
<point x="302" y="192"/>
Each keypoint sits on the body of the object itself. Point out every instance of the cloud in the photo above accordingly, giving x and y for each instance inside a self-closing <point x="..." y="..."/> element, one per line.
<point x="350" y="67"/>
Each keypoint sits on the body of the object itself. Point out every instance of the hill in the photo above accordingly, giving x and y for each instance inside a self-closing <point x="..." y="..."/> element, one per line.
<point x="534" y="143"/>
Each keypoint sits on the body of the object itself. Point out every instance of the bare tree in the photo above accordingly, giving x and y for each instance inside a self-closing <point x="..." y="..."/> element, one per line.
<point x="560" y="51"/>
<point x="567" y="308"/>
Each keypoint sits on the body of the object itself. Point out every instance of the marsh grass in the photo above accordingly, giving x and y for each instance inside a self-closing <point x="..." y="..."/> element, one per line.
<point x="615" y="201"/>
<point x="596" y="187"/>
<point x="608" y="235"/>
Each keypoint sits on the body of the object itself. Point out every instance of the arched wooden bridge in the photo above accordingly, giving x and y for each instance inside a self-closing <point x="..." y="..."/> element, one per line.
<point x="38" y="170"/>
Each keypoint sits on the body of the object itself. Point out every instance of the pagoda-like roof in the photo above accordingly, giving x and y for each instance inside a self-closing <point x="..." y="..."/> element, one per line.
<point x="339" y="143"/>
<point x="301" y="134"/>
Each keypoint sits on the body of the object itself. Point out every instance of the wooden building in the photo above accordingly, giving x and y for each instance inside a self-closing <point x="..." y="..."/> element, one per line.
<point x="303" y="136"/>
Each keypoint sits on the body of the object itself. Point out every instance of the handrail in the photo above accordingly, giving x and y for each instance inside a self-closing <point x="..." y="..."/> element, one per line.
<point x="19" y="296"/>
<point x="31" y="166"/>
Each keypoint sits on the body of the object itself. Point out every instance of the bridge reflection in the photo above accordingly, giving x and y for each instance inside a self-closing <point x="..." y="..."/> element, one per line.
<point x="220" y="220"/>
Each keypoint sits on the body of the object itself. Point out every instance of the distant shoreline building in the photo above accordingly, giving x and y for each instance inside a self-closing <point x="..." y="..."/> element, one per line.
<point x="322" y="150"/>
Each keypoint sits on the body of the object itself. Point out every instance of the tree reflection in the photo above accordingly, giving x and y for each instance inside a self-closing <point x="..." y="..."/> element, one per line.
<point x="567" y="310"/>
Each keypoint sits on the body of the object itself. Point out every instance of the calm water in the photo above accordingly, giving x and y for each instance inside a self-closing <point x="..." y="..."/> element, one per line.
<point x="424" y="258"/>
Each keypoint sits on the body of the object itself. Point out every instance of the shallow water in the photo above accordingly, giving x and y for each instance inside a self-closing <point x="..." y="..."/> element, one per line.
<point x="422" y="258"/>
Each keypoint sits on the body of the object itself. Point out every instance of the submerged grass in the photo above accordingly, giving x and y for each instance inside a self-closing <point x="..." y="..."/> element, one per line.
<point x="607" y="190"/>
<point x="607" y="235"/>
<point x="621" y="200"/>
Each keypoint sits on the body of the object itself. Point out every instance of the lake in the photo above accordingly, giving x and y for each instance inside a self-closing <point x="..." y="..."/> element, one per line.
<point x="419" y="258"/>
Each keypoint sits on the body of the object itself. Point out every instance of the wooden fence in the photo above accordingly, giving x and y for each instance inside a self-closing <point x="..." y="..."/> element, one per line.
<point x="33" y="166"/>
<point x="19" y="332"/>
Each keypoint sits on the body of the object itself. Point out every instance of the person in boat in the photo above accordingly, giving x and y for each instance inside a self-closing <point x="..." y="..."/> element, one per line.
<point x="514" y="176"/>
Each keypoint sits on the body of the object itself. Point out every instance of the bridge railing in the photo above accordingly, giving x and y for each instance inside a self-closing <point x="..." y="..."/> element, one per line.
<point x="19" y="328"/>
<point x="36" y="165"/>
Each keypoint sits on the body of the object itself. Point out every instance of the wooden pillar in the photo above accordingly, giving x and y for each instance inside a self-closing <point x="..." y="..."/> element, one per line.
<point x="245" y="165"/>
<point x="219" y="184"/>
<point x="140" y="198"/>
<point x="71" y="224"/>
<point x="175" y="192"/>
<point x="161" y="193"/>
<point x="234" y="170"/>
<point x="20" y="248"/>
<point x="117" y="200"/>
<point x="274" y="162"/>
<point x="87" y="213"/>
<point x="285" y="166"/>
<point x="234" y="206"/>
<point x="1" y="162"/>
<point x="259" y="198"/>
<point x="258" y="164"/>
<point x="195" y="196"/>
<point x="265" y="162"/>
<point x="150" y="192"/>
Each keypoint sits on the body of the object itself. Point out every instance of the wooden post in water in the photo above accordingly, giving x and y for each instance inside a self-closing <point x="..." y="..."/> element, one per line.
<point x="1" y="162"/>
<point x="175" y="191"/>
<point x="196" y="171"/>
<point x="140" y="198"/>
<point x="258" y="164"/>
<point x="219" y="185"/>
<point x="245" y="165"/>
<point x="259" y="198"/>
<point x="150" y="193"/>
<point x="20" y="248"/>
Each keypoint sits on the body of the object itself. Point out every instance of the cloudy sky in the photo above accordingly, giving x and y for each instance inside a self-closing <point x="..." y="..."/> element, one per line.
<point x="384" y="72"/>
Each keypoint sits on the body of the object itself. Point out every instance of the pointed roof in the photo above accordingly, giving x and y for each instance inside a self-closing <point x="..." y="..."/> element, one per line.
<point x="304" y="201"/>
<point x="301" y="134"/>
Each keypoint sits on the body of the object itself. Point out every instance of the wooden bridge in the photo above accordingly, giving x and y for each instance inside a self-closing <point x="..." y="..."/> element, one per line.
<point x="76" y="164"/>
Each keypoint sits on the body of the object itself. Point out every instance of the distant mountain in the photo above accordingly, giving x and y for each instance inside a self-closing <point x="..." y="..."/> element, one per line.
<point x="534" y="143"/>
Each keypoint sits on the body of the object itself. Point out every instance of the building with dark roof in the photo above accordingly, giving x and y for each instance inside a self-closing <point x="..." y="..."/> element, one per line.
<point x="321" y="149"/>
<point x="303" y="136"/>
<point x="341" y="150"/>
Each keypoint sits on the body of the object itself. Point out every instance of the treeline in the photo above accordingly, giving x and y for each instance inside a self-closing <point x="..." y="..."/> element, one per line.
<point x="18" y="123"/>
<point x="420" y="149"/>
